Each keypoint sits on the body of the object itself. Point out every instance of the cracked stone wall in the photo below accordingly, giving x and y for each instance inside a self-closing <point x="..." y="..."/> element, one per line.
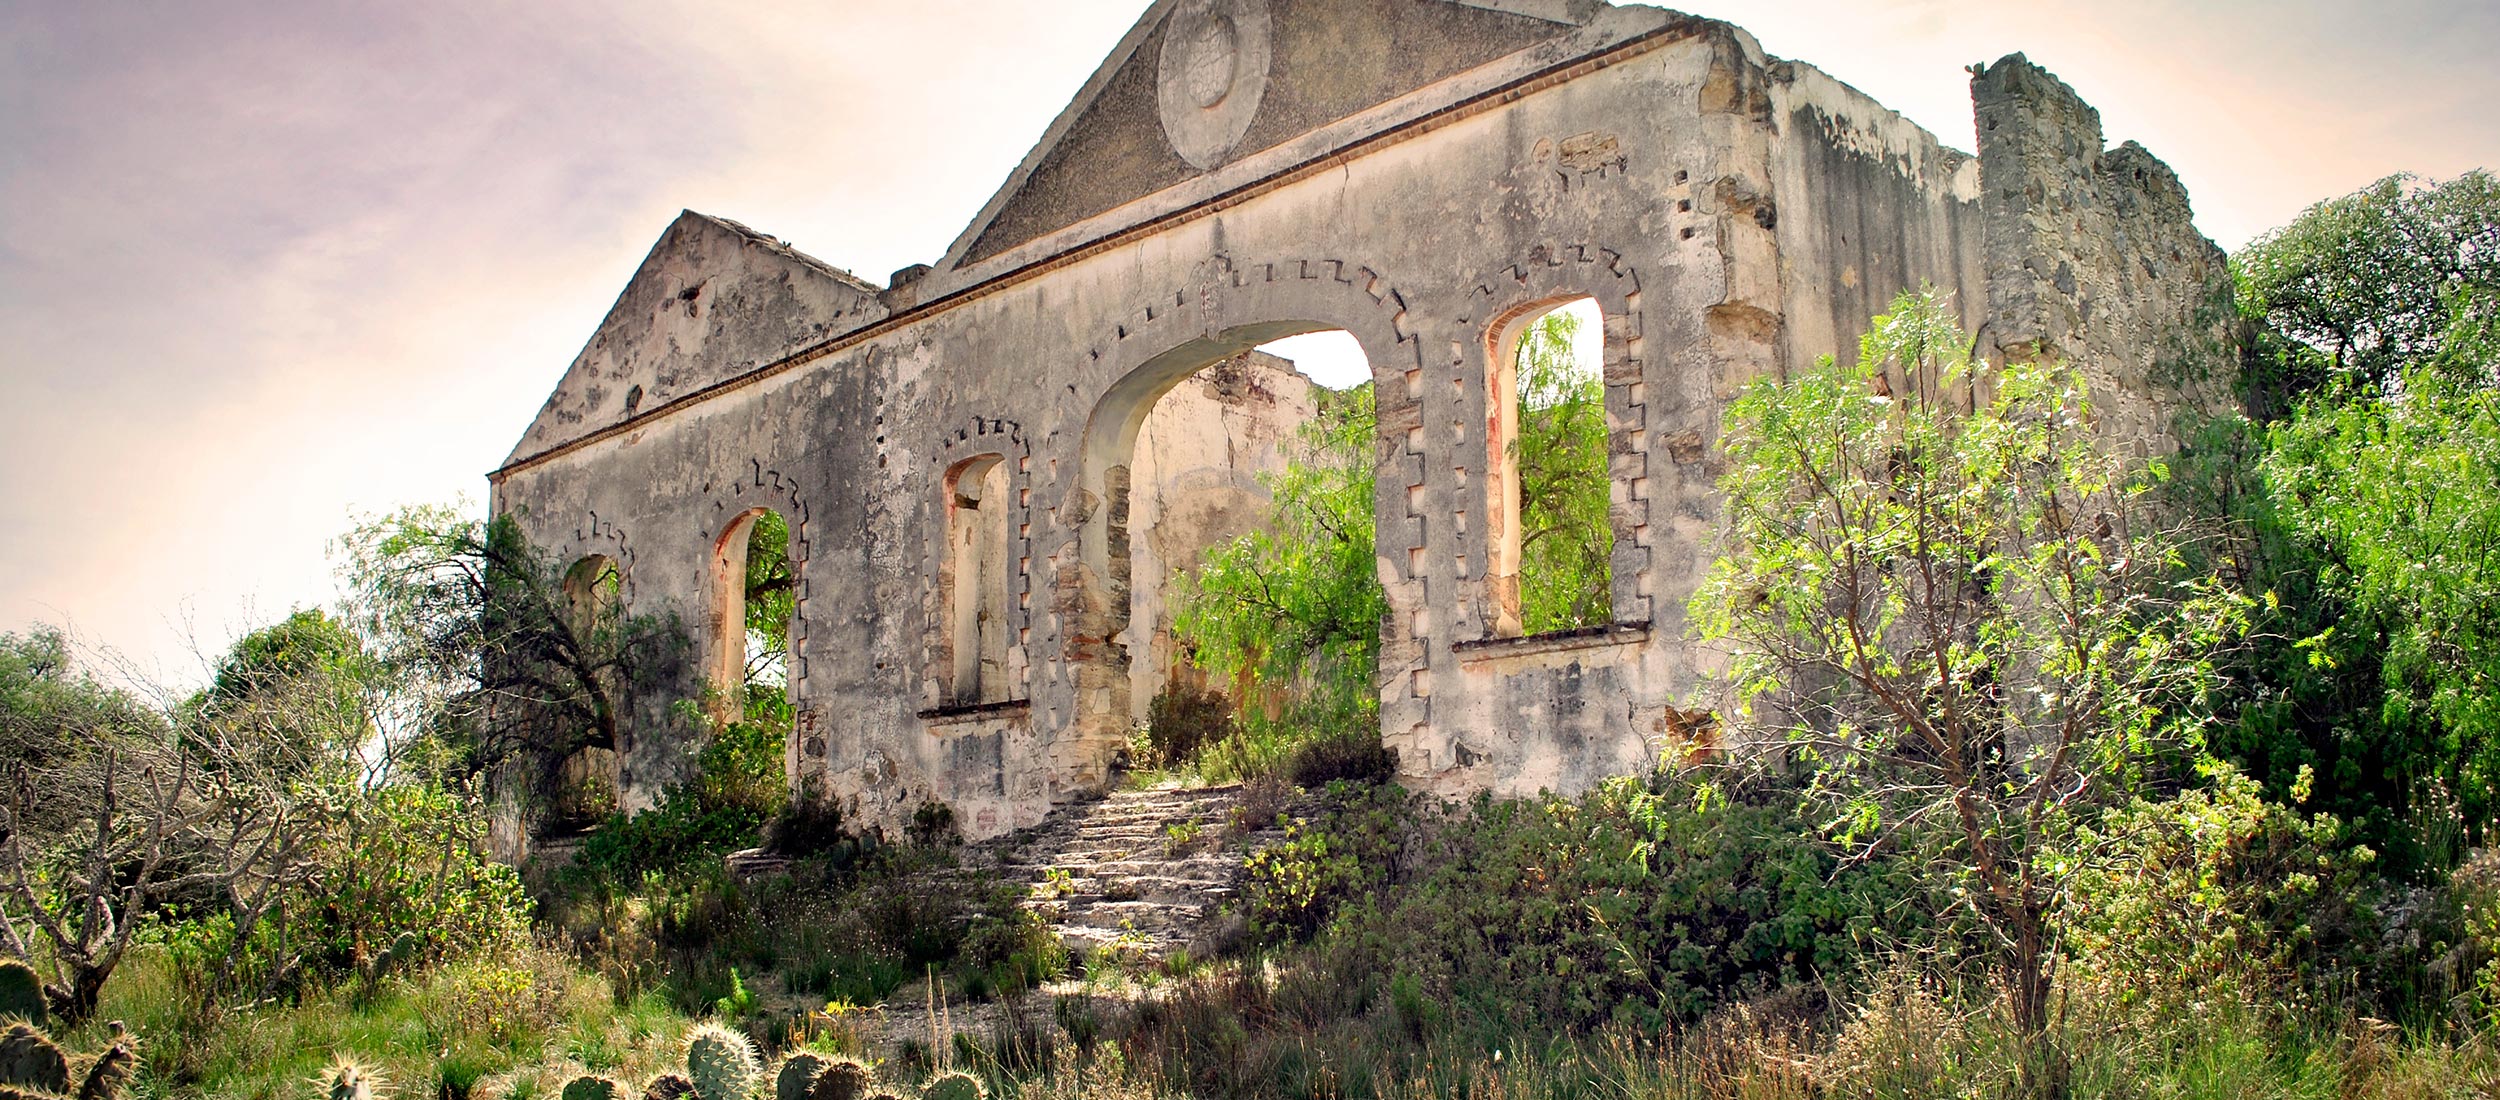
<point x="1730" y="213"/>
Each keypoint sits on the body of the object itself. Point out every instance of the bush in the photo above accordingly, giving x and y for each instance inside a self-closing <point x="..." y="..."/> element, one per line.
<point x="1354" y="755"/>
<point x="1647" y="902"/>
<point x="1183" y="719"/>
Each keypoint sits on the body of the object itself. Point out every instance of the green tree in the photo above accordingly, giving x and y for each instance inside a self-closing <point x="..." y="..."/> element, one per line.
<point x="295" y="695"/>
<point x="1298" y="603"/>
<point x="1970" y="622"/>
<point x="493" y="664"/>
<point x="2401" y="494"/>
<point x="1566" y="540"/>
<point x="2358" y="288"/>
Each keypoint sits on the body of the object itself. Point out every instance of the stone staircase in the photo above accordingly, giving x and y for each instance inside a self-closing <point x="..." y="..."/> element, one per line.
<point x="1143" y="871"/>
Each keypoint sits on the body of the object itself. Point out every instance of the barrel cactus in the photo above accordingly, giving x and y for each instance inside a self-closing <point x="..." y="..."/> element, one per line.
<point x="953" y="1086"/>
<point x="720" y="1062"/>
<point x="348" y="1079"/>
<point x="21" y="993"/>
<point x="797" y="1076"/>
<point x="29" y="1061"/>
<point x="843" y="1079"/>
<point x="668" y="1086"/>
<point x="593" y="1087"/>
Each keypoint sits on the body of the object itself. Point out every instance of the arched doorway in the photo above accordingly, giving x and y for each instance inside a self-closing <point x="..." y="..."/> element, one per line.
<point x="1185" y="457"/>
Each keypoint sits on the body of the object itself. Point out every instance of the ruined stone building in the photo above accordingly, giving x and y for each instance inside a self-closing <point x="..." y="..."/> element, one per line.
<point x="985" y="498"/>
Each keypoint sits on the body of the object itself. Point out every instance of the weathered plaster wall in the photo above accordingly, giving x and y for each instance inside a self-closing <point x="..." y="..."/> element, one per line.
<point x="1729" y="213"/>
<point x="1196" y="485"/>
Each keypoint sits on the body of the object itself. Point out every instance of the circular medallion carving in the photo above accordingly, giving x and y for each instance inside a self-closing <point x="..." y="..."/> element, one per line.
<point x="1210" y="76"/>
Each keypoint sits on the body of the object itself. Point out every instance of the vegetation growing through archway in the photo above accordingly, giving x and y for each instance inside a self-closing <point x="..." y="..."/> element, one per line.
<point x="1293" y="610"/>
<point x="1558" y="455"/>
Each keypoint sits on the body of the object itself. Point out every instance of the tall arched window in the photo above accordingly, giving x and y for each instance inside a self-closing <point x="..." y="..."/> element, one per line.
<point x="974" y="578"/>
<point x="754" y="604"/>
<point x="1548" y="498"/>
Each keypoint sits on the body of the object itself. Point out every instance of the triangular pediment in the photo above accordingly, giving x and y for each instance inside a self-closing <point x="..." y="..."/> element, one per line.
<point x="712" y="300"/>
<point x="1198" y="84"/>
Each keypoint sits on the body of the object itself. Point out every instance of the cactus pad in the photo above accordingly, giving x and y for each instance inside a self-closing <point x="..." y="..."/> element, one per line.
<point x="111" y="1071"/>
<point x="592" y="1087"/>
<point x="30" y="1061"/>
<point x="953" y="1086"/>
<point x="797" y="1076"/>
<point x="21" y="993"/>
<point x="844" y="1079"/>
<point x="720" y="1062"/>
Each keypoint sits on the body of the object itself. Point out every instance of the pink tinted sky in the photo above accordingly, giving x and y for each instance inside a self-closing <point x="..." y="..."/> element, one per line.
<point x="266" y="266"/>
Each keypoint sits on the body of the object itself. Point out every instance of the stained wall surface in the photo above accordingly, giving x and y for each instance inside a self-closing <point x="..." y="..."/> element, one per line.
<point x="1729" y="212"/>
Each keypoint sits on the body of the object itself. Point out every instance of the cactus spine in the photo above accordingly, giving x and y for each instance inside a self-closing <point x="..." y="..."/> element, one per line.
<point x="844" y="1079"/>
<point x="21" y="993"/>
<point x="668" y="1086"/>
<point x="347" y="1079"/>
<point x="593" y="1087"/>
<point x="30" y="1061"/>
<point x="953" y="1086"/>
<point x="111" y="1071"/>
<point x="797" y="1076"/>
<point x="721" y="1063"/>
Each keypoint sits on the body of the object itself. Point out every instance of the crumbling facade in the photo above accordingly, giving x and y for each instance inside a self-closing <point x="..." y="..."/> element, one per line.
<point x="957" y="452"/>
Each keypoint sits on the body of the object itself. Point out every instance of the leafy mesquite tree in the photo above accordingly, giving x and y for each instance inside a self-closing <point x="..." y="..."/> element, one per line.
<point x="491" y="650"/>
<point x="2358" y="288"/>
<point x="1967" y="620"/>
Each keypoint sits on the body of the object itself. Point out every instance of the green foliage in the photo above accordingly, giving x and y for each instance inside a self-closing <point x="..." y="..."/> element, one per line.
<point x="1566" y="540"/>
<point x="953" y="1086"/>
<point x="738" y="787"/>
<point x="721" y="1063"/>
<point x="1645" y="902"/>
<point x="58" y="722"/>
<point x="30" y="1061"/>
<point x="1969" y="621"/>
<point x="2401" y="495"/>
<point x="288" y="697"/>
<point x="1296" y="606"/>
<point x="1184" y="720"/>
<point x="2215" y="888"/>
<point x="21" y="993"/>
<point x="489" y="648"/>
<point x="2358" y="288"/>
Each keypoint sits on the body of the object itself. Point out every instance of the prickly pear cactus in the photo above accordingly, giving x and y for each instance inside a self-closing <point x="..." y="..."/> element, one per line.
<point x="21" y="993"/>
<point x="589" y="1087"/>
<point x="668" y="1086"/>
<point x="843" y="1079"/>
<point x="347" y="1079"/>
<point x="721" y="1063"/>
<point x="953" y="1086"/>
<point x="797" y="1076"/>
<point x="30" y="1061"/>
<point x="110" y="1073"/>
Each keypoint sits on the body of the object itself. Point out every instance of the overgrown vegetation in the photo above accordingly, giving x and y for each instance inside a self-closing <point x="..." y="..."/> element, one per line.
<point x="2043" y="773"/>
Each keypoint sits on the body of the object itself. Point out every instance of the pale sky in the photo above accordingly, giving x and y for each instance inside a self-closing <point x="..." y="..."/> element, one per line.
<point x="265" y="266"/>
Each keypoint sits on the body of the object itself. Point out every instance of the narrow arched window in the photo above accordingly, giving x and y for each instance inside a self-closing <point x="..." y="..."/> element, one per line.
<point x="974" y="582"/>
<point x="1548" y="500"/>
